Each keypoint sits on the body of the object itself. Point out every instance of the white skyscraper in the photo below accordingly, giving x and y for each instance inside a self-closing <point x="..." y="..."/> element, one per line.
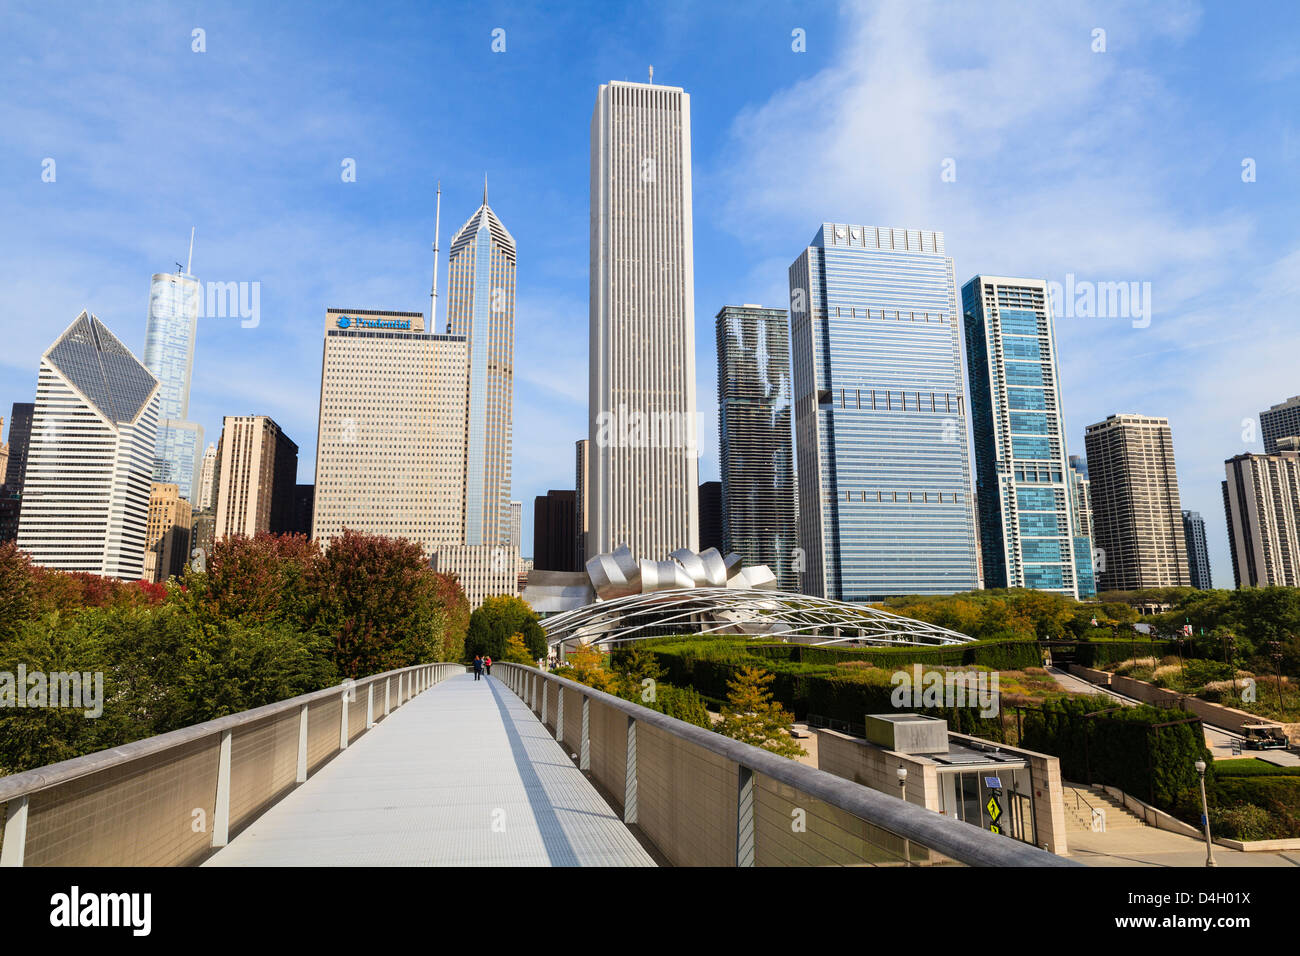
<point x="207" y="477"/>
<point x="643" y="479"/>
<point x="86" y="492"/>
<point x="516" y="523"/>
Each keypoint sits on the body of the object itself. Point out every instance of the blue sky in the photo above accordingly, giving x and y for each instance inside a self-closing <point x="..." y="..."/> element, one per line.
<point x="1122" y="165"/>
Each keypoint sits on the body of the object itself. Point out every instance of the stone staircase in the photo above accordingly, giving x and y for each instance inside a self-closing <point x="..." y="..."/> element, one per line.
<point x="1080" y="801"/>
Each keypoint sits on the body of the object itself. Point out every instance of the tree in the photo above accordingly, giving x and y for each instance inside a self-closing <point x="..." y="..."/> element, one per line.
<point x="492" y="623"/>
<point x="516" y="651"/>
<point x="633" y="667"/>
<point x="17" y="597"/>
<point x="379" y="603"/>
<point x="455" y="614"/>
<point x="753" y="717"/>
<point x="587" y="666"/>
<point x="264" y="578"/>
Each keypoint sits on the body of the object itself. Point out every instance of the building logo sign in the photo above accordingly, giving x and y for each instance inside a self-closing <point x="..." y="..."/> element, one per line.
<point x="400" y="325"/>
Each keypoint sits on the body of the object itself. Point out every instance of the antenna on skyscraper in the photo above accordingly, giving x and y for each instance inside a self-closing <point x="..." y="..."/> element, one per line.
<point x="190" y="261"/>
<point x="433" y="294"/>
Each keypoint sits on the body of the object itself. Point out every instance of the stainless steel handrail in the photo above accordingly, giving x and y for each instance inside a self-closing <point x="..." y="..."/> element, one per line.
<point x="956" y="840"/>
<point x="41" y="778"/>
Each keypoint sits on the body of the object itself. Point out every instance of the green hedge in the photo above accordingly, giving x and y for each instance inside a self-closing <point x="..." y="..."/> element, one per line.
<point x="1252" y="768"/>
<point x="1121" y="748"/>
<point x="1099" y="653"/>
<point x="818" y="686"/>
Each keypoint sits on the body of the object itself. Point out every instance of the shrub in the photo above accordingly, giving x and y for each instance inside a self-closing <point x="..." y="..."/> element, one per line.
<point x="1121" y="748"/>
<point x="1274" y="803"/>
<point x="753" y="717"/>
<point x="1244" y="822"/>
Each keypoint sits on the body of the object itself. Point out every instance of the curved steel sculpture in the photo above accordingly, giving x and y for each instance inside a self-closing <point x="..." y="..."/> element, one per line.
<point x="619" y="598"/>
<point x="740" y="610"/>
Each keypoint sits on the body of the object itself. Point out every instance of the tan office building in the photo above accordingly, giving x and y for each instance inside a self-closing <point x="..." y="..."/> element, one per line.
<point x="390" y="447"/>
<point x="257" y="468"/>
<point x="167" y="533"/>
<point x="1136" y="512"/>
<point x="1261" y="498"/>
<point x="484" y="570"/>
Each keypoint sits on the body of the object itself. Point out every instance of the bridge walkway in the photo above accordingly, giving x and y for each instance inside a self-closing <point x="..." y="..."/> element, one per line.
<point x="462" y="775"/>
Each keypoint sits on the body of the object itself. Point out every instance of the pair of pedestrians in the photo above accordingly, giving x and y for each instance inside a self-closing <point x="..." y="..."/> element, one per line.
<point x="482" y="663"/>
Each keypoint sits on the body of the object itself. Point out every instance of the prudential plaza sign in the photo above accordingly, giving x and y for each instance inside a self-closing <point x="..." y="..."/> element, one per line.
<point x="347" y="321"/>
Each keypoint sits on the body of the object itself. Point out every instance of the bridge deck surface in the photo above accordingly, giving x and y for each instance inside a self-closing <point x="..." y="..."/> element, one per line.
<point x="463" y="774"/>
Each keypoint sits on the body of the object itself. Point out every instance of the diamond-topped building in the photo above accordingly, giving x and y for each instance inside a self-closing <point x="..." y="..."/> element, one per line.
<point x="90" y="458"/>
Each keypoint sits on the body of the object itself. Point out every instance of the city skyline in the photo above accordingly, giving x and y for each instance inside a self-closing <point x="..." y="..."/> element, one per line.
<point x="328" y="246"/>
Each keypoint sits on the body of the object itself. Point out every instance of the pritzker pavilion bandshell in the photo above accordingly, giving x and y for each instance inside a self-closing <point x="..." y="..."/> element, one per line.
<point x="619" y="599"/>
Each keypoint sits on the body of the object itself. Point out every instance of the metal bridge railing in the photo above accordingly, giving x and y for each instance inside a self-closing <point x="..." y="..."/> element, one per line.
<point x="169" y="800"/>
<point x="704" y="799"/>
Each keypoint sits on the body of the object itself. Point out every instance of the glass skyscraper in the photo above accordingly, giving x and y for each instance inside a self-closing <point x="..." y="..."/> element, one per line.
<point x="1198" y="552"/>
<point x="759" y="505"/>
<point x="1029" y="527"/>
<point x="481" y="307"/>
<point x="174" y="304"/>
<point x="880" y="416"/>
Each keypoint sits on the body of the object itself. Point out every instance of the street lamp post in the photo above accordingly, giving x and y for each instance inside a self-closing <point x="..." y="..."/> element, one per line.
<point x="1230" y="658"/>
<point x="902" y="792"/>
<point x="1205" y="816"/>
<point x="1276" y="647"/>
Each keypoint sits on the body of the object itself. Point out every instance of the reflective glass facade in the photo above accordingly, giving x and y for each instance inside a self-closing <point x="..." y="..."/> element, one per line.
<point x="1029" y="529"/>
<point x="880" y="416"/>
<point x="759" y="502"/>
<point x="174" y="303"/>
<point x="177" y="455"/>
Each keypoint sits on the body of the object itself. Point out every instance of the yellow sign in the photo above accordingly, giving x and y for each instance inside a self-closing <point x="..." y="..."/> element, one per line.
<point x="994" y="808"/>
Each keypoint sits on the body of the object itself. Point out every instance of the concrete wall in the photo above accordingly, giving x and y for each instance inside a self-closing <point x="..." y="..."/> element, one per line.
<point x="854" y="759"/>
<point x="1216" y="715"/>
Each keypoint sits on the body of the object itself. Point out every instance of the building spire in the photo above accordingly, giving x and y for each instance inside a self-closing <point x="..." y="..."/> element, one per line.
<point x="485" y="187"/>
<point x="190" y="261"/>
<point x="433" y="293"/>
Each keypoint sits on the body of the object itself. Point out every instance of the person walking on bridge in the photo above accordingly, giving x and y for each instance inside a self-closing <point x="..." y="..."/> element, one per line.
<point x="478" y="667"/>
<point x="487" y="665"/>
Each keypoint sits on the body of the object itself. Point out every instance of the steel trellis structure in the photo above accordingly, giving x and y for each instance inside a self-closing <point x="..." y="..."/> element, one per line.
<point x="741" y="611"/>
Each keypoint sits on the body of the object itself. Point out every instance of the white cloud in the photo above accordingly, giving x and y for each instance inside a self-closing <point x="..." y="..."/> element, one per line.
<point x="1067" y="161"/>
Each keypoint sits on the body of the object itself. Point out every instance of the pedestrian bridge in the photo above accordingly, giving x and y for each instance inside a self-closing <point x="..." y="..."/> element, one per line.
<point x="425" y="766"/>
